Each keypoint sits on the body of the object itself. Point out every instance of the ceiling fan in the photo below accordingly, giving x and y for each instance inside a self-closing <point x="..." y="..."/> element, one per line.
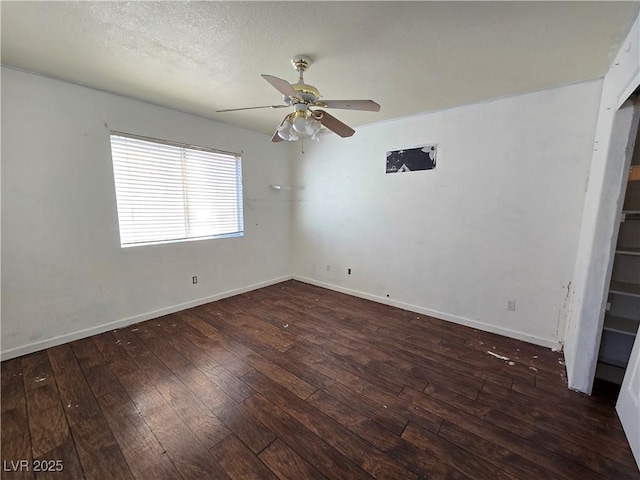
<point x="303" y="121"/>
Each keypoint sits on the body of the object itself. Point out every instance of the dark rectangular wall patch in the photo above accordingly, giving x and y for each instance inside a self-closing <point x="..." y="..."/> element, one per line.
<point x="412" y="159"/>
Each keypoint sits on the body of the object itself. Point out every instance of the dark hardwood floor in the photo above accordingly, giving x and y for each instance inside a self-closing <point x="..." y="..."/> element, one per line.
<point x="297" y="382"/>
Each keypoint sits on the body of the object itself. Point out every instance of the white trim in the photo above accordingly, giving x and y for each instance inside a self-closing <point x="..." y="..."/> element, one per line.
<point x="125" y="322"/>
<point x="629" y="88"/>
<point x="87" y="332"/>
<point x="544" y="342"/>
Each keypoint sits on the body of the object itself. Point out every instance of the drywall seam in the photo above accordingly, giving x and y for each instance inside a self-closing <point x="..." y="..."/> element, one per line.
<point x="70" y="337"/>
<point x="544" y="342"/>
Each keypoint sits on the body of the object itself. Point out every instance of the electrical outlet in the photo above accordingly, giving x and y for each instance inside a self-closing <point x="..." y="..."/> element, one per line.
<point x="348" y="271"/>
<point x="194" y="280"/>
<point x="511" y="305"/>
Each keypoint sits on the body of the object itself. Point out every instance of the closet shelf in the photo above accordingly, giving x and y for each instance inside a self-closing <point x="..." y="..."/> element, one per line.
<point x="628" y="250"/>
<point x="611" y="373"/>
<point x="626" y="326"/>
<point x="625" y="288"/>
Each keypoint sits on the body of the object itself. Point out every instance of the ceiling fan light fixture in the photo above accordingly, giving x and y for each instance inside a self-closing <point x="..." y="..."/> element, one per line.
<point x="285" y="131"/>
<point x="299" y="121"/>
<point x="312" y="126"/>
<point x="300" y="124"/>
<point x="303" y="122"/>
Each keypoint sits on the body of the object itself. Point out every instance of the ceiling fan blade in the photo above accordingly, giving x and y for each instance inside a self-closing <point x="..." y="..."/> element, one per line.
<point x="366" y="105"/>
<point x="282" y="86"/>
<point x="276" y="138"/>
<point x="333" y="124"/>
<point x="251" y="108"/>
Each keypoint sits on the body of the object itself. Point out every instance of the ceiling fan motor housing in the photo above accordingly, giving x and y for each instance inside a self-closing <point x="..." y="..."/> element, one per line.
<point x="308" y="93"/>
<point x="301" y="62"/>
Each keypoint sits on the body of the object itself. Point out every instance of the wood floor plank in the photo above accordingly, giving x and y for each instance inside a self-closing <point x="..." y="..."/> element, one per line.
<point x="16" y="444"/>
<point x="62" y="456"/>
<point x="254" y="434"/>
<point x="398" y="332"/>
<point x="552" y="461"/>
<point x="271" y="342"/>
<point x="414" y="458"/>
<point x="181" y="338"/>
<point x="140" y="447"/>
<point x="588" y="405"/>
<point x="346" y="415"/>
<point x="186" y="452"/>
<point x="364" y="355"/>
<point x="385" y="403"/>
<point x="47" y="423"/>
<point x="455" y="457"/>
<point x="15" y="439"/>
<point x="293" y="381"/>
<point x="202" y="423"/>
<point x="495" y="454"/>
<point x="86" y="352"/>
<point x="111" y="349"/>
<point x="255" y="360"/>
<point x="305" y="443"/>
<point x="373" y="409"/>
<point x="225" y="358"/>
<point x="539" y="427"/>
<point x="339" y="437"/>
<point x="96" y="371"/>
<point x="239" y="462"/>
<point x="575" y="433"/>
<point x="78" y="401"/>
<point x="97" y="449"/>
<point x="158" y="379"/>
<point x="287" y="464"/>
<point x="423" y="362"/>
<point x="587" y="417"/>
<point x="316" y="334"/>
<point x="190" y="458"/>
<point x="12" y="388"/>
<point x="350" y="371"/>
<point x="318" y="359"/>
<point x="100" y="456"/>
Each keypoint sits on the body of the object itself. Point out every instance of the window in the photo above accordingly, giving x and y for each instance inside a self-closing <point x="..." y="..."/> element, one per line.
<point x="171" y="192"/>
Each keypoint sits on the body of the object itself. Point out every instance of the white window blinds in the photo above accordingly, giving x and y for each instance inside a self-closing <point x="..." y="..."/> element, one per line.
<point x="169" y="192"/>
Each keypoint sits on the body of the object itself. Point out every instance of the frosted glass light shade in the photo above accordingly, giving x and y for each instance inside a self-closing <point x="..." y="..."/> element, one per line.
<point x="284" y="130"/>
<point x="299" y="124"/>
<point x="301" y="127"/>
<point x="312" y="126"/>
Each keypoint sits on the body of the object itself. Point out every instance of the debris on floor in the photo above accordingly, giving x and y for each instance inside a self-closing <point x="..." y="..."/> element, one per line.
<point x="501" y="357"/>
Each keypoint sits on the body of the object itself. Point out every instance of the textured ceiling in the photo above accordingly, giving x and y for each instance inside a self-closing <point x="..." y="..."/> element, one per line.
<point x="410" y="57"/>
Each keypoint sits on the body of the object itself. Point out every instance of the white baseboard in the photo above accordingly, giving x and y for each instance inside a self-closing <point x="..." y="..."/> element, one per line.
<point x="70" y="337"/>
<point x="543" y="342"/>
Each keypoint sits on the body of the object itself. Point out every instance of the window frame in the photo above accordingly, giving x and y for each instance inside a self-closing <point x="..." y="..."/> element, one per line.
<point x="238" y="185"/>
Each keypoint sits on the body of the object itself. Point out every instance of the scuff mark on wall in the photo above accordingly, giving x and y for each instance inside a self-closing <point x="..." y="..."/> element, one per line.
<point x="563" y="315"/>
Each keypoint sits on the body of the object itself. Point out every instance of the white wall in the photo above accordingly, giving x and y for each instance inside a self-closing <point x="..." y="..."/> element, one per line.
<point x="497" y="220"/>
<point x="64" y="274"/>
<point x="598" y="222"/>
